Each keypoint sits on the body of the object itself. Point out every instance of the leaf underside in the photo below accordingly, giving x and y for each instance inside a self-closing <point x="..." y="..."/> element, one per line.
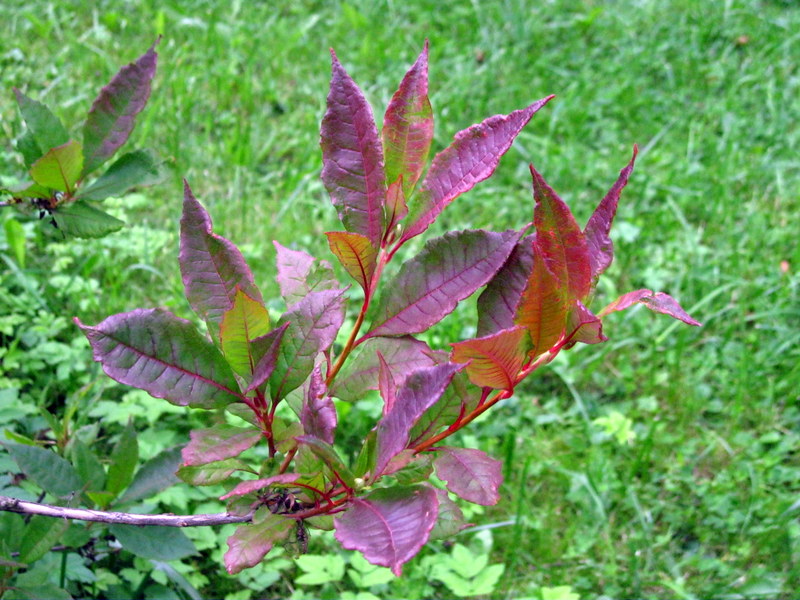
<point x="470" y="474"/>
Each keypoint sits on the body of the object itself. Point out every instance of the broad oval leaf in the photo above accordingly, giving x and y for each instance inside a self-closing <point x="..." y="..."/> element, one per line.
<point x="212" y="268"/>
<point x="113" y="113"/>
<point x="156" y="351"/>
<point x="655" y="301"/>
<point x="83" y="220"/>
<point x="242" y="323"/>
<point x="357" y="255"/>
<point x="134" y="168"/>
<point x="160" y="543"/>
<point x="408" y="127"/>
<point x="598" y="228"/>
<point x="47" y="469"/>
<point x="299" y="274"/>
<point x="60" y="167"/>
<point x="250" y="543"/>
<point x="429" y="286"/>
<point x="390" y="525"/>
<point x="313" y="324"/>
<point x="352" y="158"/>
<point x="472" y="157"/>
<point x="450" y="520"/>
<point x="494" y="360"/>
<point x="470" y="474"/>
<point x="218" y="443"/>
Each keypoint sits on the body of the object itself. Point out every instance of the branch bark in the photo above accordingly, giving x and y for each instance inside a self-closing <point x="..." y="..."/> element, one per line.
<point x="84" y="514"/>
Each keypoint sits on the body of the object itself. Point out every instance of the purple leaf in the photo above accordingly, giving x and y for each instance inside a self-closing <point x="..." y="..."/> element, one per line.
<point x="472" y="157"/>
<point x="212" y="268"/>
<point x="218" y="443"/>
<point x="583" y="326"/>
<point x="562" y="244"/>
<point x="460" y="396"/>
<point x="313" y="324"/>
<point x="429" y="286"/>
<point x="390" y="525"/>
<point x="421" y="390"/>
<point x="601" y="248"/>
<point x="396" y="208"/>
<point x="469" y="474"/>
<point x="156" y="351"/>
<point x="408" y="126"/>
<point x="656" y="301"/>
<point x="497" y="304"/>
<point x="212" y="473"/>
<point x="249" y="544"/>
<point x="352" y="158"/>
<point x="495" y="360"/>
<point x="299" y="274"/>
<point x="113" y="113"/>
<point x="386" y="384"/>
<point x="360" y="373"/>
<point x="318" y="415"/>
<point x="265" y="353"/>
<point x="253" y="485"/>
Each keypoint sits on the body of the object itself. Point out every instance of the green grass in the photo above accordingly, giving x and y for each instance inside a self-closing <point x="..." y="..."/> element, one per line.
<point x="696" y="506"/>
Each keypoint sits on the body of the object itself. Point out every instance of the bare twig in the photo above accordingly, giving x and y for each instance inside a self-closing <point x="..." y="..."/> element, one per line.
<point x="84" y="514"/>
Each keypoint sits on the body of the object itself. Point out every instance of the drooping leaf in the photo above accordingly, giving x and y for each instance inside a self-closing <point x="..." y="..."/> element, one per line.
<point x="40" y="535"/>
<point x="212" y="473"/>
<point x="160" y="543"/>
<point x="242" y="323"/>
<point x="561" y="241"/>
<point x="421" y="390"/>
<point x="139" y="167"/>
<point x="460" y="397"/>
<point x="408" y="126"/>
<point x="218" y="443"/>
<point x="472" y="157"/>
<point x="60" y="167"/>
<point x="470" y="474"/>
<point x="46" y="129"/>
<point x="47" y="469"/>
<point x="113" y="113"/>
<point x="543" y="307"/>
<point x="329" y="456"/>
<point x="156" y="351"/>
<point x="429" y="286"/>
<point x="390" y="525"/>
<point x="155" y="475"/>
<point x="313" y="324"/>
<point x="655" y="301"/>
<point x="319" y="414"/>
<point x="250" y="543"/>
<point x="356" y="253"/>
<point x="299" y="274"/>
<point x="265" y="352"/>
<point x="360" y="373"/>
<point x="494" y="360"/>
<point x="497" y="304"/>
<point x="254" y="485"/>
<point x="83" y="220"/>
<point x="124" y="460"/>
<point x="450" y="520"/>
<point x="352" y="158"/>
<point x="583" y="326"/>
<point x="212" y="268"/>
<point x="601" y="248"/>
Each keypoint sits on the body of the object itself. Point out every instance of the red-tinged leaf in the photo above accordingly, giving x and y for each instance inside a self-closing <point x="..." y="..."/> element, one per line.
<point x="218" y="443"/>
<point x="583" y="326"/>
<point x="352" y="158"/>
<point x="113" y="113"/>
<point x="386" y="384"/>
<point x="543" y="307"/>
<point x="254" y="485"/>
<point x="497" y="304"/>
<point x="472" y="157"/>
<point x="495" y="360"/>
<point x="212" y="268"/>
<point x="561" y="240"/>
<point x="360" y="373"/>
<point x="299" y="274"/>
<point x="250" y="543"/>
<point x="212" y="473"/>
<point x="156" y="351"/>
<point x="429" y="286"/>
<point x="460" y="397"/>
<point x="265" y="352"/>
<point x="656" y="301"/>
<point x="408" y="126"/>
<point x="245" y="321"/>
<point x="357" y="255"/>
<point x="396" y="208"/>
<point x="421" y="390"/>
<point x="390" y="525"/>
<point x="313" y="324"/>
<point x="318" y="415"/>
<point x="329" y="456"/>
<point x="450" y="520"/>
<point x="601" y="248"/>
<point x="470" y="474"/>
<point x="60" y="167"/>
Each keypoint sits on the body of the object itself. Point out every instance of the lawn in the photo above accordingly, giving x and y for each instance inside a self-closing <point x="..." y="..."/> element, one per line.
<point x="697" y="495"/>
